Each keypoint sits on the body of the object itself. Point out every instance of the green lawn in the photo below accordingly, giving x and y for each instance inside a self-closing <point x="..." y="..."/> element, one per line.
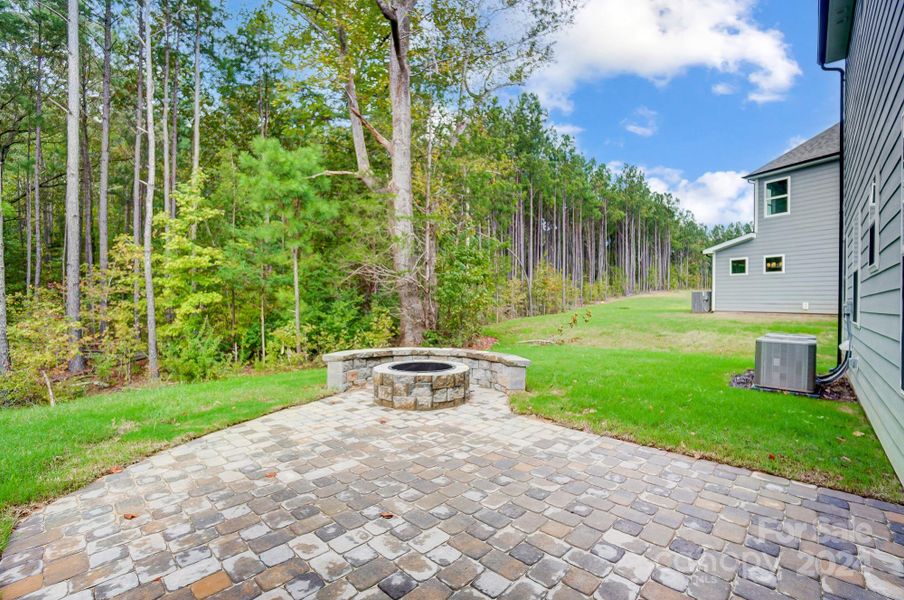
<point x="648" y="370"/>
<point x="46" y="452"/>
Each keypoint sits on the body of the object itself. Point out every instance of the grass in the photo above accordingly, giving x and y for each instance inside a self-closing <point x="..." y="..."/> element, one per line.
<point x="646" y="369"/>
<point x="46" y="452"/>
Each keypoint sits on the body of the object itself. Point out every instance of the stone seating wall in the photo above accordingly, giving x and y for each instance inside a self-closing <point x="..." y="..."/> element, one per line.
<point x="495" y="370"/>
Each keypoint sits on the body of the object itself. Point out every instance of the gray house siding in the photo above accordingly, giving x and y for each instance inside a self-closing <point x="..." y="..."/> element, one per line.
<point x="807" y="237"/>
<point x="873" y="153"/>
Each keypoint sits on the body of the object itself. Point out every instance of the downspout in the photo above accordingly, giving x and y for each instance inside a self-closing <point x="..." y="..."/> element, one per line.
<point x="841" y="244"/>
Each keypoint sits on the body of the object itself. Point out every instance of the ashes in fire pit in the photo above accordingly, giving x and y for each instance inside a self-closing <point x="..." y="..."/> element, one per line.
<point x="421" y="384"/>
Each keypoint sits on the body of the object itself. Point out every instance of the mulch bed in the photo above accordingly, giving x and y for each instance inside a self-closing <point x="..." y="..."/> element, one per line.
<point x="839" y="391"/>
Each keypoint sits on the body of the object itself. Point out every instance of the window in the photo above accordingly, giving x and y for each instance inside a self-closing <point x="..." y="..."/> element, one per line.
<point x="774" y="264"/>
<point x="778" y="199"/>
<point x="872" y="251"/>
<point x="738" y="266"/>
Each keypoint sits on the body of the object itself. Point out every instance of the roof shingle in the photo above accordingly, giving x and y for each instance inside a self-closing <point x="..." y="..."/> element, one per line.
<point x="822" y="145"/>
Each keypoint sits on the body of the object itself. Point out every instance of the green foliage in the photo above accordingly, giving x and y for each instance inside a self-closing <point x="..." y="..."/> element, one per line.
<point x="464" y="291"/>
<point x="344" y="324"/>
<point x="190" y="282"/>
<point x="190" y="287"/>
<point x="196" y="357"/>
<point x="40" y="349"/>
<point x="110" y="311"/>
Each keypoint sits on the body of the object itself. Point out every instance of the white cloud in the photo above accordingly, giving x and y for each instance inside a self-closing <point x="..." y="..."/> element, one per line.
<point x="714" y="197"/>
<point x="643" y="122"/>
<point x="567" y="129"/>
<point x="659" y="40"/>
<point x="724" y="89"/>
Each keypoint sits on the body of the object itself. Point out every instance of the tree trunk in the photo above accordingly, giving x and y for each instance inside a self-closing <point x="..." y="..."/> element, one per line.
<point x="297" y="291"/>
<point x="174" y="124"/>
<point x="136" y="168"/>
<point x="153" y="367"/>
<point x="196" y="110"/>
<point x="165" y="120"/>
<point x="263" y="330"/>
<point x="73" y="294"/>
<point x="530" y="259"/>
<point x="105" y="144"/>
<point x="87" y="189"/>
<point x="430" y="252"/>
<point x="403" y="248"/>
<point x="4" y="342"/>
<point x="28" y="256"/>
<point x="351" y="98"/>
<point x="39" y="97"/>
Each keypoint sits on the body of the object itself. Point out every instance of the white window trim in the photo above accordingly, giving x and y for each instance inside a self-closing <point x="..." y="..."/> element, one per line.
<point x="746" y="266"/>
<point x="765" y="272"/>
<point x="766" y="182"/>
<point x="872" y="218"/>
<point x="858" y="267"/>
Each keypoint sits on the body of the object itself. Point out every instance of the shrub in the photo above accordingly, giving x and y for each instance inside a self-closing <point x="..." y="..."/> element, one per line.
<point x="194" y="357"/>
<point x="40" y="349"/>
<point x="464" y="291"/>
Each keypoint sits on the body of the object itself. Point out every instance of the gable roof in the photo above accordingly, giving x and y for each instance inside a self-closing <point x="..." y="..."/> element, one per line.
<point x="823" y="145"/>
<point x="729" y="243"/>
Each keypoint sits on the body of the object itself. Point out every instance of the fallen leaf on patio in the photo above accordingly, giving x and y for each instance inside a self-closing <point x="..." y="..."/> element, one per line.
<point x="129" y="516"/>
<point x="271" y="474"/>
<point x="858" y="434"/>
<point x="116" y="469"/>
<point x="387" y="515"/>
<point x="382" y="421"/>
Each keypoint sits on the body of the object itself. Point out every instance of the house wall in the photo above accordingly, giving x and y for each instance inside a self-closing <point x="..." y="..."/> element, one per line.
<point x="873" y="147"/>
<point x="808" y="238"/>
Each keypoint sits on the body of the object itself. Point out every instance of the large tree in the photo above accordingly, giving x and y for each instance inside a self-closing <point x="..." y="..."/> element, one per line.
<point x="153" y="364"/>
<point x="73" y="221"/>
<point x="467" y="50"/>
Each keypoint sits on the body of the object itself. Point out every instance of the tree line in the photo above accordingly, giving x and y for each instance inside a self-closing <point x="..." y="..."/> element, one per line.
<point x="184" y="192"/>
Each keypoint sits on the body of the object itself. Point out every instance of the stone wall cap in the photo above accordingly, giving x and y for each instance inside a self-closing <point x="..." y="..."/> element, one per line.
<point x="510" y="360"/>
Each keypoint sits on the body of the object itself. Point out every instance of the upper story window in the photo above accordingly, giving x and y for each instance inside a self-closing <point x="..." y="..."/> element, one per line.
<point x="778" y="197"/>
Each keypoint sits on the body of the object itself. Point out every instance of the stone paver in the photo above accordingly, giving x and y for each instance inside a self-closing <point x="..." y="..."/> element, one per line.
<point x="342" y="499"/>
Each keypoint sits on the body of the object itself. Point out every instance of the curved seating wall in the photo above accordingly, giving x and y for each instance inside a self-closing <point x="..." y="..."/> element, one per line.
<point x="502" y="372"/>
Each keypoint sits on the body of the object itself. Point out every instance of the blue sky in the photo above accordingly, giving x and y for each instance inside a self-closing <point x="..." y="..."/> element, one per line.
<point x="696" y="92"/>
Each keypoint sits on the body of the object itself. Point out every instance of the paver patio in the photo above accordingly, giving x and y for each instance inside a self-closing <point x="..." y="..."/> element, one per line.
<point x="341" y="498"/>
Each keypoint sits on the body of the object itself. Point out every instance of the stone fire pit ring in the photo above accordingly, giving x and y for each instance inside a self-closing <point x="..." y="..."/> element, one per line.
<point x="421" y="384"/>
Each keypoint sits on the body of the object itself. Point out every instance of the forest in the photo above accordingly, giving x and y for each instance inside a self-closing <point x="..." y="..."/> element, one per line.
<point x="189" y="191"/>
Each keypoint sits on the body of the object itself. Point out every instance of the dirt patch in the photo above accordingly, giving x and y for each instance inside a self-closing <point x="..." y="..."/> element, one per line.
<point x="839" y="391"/>
<point x="482" y="343"/>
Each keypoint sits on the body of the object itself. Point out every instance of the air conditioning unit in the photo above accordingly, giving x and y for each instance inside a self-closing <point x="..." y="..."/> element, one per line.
<point x="701" y="302"/>
<point x="786" y="362"/>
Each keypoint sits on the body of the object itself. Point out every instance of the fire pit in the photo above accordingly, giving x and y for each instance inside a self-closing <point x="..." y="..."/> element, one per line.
<point x="420" y="384"/>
